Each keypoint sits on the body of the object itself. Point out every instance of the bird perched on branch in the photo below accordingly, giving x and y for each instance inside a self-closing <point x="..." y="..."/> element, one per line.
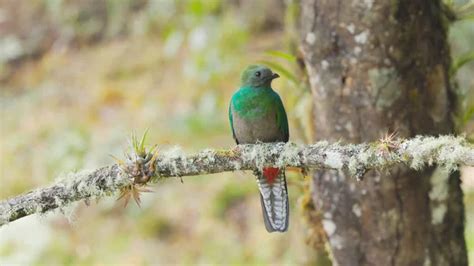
<point x="257" y="114"/>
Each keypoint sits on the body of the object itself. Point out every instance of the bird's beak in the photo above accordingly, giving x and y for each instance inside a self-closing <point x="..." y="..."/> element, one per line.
<point x="275" y="75"/>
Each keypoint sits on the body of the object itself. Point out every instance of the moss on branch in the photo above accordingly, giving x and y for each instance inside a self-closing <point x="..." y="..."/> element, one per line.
<point x="447" y="151"/>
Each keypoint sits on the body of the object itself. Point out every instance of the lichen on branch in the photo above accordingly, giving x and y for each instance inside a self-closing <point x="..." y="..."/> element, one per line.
<point x="446" y="151"/>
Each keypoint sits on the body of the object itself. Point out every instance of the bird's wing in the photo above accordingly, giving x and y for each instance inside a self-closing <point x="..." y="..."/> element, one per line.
<point x="231" y="120"/>
<point x="282" y="119"/>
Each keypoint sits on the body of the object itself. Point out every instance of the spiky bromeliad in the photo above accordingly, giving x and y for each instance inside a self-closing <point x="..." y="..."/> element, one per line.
<point x="257" y="114"/>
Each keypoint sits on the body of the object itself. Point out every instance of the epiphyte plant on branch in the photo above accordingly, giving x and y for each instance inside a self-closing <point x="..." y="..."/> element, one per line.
<point x="139" y="166"/>
<point x="257" y="114"/>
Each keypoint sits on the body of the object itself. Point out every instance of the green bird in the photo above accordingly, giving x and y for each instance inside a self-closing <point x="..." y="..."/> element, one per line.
<point x="257" y="114"/>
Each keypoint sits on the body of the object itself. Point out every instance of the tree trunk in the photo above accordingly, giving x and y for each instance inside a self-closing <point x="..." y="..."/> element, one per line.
<point x="376" y="67"/>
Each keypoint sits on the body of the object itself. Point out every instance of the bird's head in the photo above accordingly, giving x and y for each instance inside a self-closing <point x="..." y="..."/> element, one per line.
<point x="257" y="76"/>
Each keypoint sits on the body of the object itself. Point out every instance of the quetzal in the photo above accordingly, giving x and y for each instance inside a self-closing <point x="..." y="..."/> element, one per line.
<point x="257" y="114"/>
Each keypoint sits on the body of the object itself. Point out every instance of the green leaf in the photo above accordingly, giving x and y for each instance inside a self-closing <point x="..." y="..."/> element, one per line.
<point x="466" y="7"/>
<point x="461" y="61"/>
<point x="139" y="145"/>
<point x="468" y="115"/>
<point x="134" y="141"/>
<point x="282" y="55"/>
<point x="449" y="2"/>
<point x="466" y="17"/>
<point x="142" y="142"/>
<point x="465" y="11"/>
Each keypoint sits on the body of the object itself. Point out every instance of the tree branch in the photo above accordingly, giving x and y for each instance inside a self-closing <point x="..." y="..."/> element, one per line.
<point x="446" y="151"/>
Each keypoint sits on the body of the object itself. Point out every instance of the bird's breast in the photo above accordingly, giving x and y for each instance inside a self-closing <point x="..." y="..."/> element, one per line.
<point x="256" y="126"/>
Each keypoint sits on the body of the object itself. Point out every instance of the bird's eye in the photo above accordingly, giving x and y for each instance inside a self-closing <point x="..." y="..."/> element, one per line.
<point x="258" y="74"/>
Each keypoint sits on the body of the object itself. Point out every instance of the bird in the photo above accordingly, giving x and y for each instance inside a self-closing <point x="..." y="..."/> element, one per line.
<point x="257" y="114"/>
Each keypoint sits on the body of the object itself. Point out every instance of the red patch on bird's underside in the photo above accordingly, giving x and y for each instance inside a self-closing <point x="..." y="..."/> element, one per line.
<point x="270" y="174"/>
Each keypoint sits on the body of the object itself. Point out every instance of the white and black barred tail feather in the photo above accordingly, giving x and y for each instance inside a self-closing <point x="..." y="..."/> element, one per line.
<point x="274" y="201"/>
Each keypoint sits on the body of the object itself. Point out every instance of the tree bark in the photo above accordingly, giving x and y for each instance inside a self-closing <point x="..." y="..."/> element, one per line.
<point x="376" y="67"/>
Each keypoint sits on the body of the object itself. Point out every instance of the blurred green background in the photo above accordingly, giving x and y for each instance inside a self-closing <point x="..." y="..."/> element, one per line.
<point x="77" y="77"/>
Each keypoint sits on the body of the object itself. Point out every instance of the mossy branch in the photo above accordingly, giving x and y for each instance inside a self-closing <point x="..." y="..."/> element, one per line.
<point x="446" y="151"/>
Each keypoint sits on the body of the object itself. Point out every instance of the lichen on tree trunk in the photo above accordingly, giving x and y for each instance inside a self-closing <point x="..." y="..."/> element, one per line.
<point x="376" y="67"/>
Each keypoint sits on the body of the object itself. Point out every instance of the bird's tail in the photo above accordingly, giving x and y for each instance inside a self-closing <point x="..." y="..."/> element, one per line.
<point x="274" y="199"/>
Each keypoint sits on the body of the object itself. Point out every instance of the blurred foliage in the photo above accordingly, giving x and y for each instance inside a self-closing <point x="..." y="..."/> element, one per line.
<point x="230" y="196"/>
<point x="461" y="9"/>
<point x="461" y="61"/>
<point x="77" y="76"/>
<point x="461" y="36"/>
